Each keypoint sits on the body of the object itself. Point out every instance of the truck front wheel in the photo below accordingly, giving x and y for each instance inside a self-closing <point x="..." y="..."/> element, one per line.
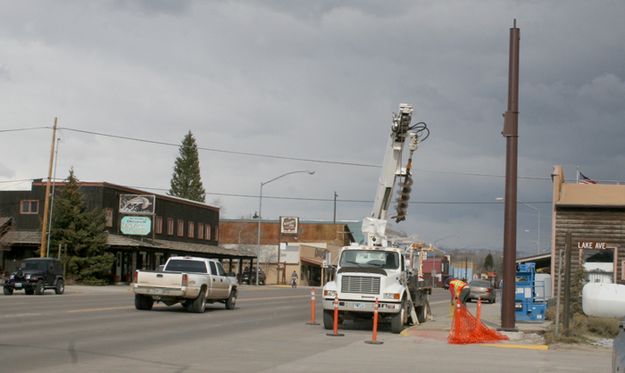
<point x="398" y="320"/>
<point x="143" y="302"/>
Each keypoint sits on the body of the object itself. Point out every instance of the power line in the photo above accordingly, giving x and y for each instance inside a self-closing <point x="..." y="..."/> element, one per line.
<point x="261" y="155"/>
<point x="24" y="129"/>
<point x="272" y="156"/>
<point x="344" y="200"/>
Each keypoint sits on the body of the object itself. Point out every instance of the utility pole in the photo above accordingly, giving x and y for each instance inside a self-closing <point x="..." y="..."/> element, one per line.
<point x="511" y="133"/>
<point x="46" y="204"/>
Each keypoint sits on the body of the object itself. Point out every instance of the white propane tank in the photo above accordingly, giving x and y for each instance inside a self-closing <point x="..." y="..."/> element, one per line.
<point x="603" y="300"/>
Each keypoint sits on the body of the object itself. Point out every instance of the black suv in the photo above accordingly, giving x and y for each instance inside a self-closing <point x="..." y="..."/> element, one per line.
<point x="35" y="275"/>
<point x="249" y="277"/>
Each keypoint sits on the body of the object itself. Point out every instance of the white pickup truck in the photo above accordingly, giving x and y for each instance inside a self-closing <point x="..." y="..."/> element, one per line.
<point x="187" y="280"/>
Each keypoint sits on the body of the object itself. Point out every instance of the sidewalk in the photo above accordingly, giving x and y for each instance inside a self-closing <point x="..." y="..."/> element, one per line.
<point x="529" y="334"/>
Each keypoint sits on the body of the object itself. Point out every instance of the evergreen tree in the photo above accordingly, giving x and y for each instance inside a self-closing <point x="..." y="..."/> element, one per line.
<point x="186" y="181"/>
<point x="488" y="262"/>
<point x="81" y="231"/>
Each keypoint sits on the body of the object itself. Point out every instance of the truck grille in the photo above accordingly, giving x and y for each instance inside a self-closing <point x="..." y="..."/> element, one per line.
<point x="360" y="284"/>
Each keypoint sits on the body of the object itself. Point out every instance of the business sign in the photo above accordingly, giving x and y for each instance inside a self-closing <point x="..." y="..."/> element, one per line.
<point x="594" y="245"/>
<point x="289" y="225"/>
<point x="136" y="204"/>
<point x="136" y="225"/>
<point x="289" y="254"/>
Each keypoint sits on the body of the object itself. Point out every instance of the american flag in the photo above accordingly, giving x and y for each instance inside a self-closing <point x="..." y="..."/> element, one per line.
<point x="585" y="180"/>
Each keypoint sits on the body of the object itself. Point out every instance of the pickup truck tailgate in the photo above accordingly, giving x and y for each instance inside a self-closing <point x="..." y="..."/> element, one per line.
<point x="160" y="284"/>
<point x="159" y="279"/>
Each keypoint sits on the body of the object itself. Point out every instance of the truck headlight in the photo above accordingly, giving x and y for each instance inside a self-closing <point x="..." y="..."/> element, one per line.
<point x="12" y="277"/>
<point x="27" y="277"/>
<point x="392" y="296"/>
<point x="329" y="293"/>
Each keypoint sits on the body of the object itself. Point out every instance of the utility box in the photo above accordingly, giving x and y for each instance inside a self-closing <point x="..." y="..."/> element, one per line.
<point x="528" y="306"/>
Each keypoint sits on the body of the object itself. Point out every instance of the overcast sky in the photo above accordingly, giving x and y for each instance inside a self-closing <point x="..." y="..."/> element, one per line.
<point x="319" y="80"/>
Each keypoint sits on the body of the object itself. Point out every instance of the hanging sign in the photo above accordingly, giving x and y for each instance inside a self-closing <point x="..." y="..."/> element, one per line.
<point x="289" y="224"/>
<point x="136" y="204"/>
<point x="136" y="225"/>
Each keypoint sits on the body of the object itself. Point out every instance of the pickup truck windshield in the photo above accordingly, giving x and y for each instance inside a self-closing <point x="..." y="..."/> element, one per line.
<point x="178" y="265"/>
<point x="369" y="258"/>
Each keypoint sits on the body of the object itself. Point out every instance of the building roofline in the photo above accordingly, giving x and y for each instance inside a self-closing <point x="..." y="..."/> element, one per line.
<point x="132" y="190"/>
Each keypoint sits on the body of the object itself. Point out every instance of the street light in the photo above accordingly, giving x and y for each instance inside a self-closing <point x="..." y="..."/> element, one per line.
<point x="260" y="212"/>
<point x="537" y="213"/>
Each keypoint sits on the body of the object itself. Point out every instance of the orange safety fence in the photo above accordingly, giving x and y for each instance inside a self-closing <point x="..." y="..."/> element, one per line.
<point x="466" y="328"/>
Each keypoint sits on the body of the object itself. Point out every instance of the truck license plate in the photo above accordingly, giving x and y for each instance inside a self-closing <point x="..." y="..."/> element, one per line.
<point x="155" y="291"/>
<point x="18" y="284"/>
<point x="359" y="306"/>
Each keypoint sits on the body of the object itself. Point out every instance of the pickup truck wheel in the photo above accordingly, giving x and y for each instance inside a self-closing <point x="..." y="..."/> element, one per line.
<point x="199" y="303"/>
<point x="328" y="319"/>
<point x="39" y="288"/>
<point x="398" y="320"/>
<point x="232" y="300"/>
<point x="8" y="291"/>
<point x="60" y="287"/>
<point x="143" y="302"/>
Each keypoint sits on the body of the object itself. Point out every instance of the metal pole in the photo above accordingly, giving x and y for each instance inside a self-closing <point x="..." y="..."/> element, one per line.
<point x="260" y="218"/>
<point x="260" y="212"/>
<point x="511" y="133"/>
<point x="334" y="218"/>
<point x="539" y="246"/>
<point x="538" y="227"/>
<point x="44" y="221"/>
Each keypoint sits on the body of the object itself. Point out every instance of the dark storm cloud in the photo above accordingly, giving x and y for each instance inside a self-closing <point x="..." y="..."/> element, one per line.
<point x="319" y="79"/>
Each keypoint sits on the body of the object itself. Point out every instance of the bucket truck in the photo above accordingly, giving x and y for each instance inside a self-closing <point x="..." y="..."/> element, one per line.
<point x="376" y="271"/>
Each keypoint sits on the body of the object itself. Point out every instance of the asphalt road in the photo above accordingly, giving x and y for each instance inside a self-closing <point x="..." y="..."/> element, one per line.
<point x="98" y="330"/>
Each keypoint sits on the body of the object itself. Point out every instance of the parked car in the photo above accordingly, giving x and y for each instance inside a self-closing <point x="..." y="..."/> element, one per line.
<point x="249" y="277"/>
<point x="35" y="275"/>
<point x="618" y="350"/>
<point x="482" y="289"/>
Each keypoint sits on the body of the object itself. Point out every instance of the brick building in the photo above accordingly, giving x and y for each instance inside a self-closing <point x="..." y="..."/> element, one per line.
<point x="302" y="250"/>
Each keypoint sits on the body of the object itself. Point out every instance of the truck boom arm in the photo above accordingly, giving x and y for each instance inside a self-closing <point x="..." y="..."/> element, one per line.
<point x="375" y="225"/>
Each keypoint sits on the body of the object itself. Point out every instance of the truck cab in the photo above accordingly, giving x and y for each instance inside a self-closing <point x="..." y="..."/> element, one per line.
<point x="369" y="274"/>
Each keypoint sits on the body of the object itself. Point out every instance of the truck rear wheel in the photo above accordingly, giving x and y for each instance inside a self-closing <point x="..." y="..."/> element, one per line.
<point x="143" y="302"/>
<point x="399" y="320"/>
<point x="328" y="319"/>
<point x="232" y="300"/>
<point x="199" y="303"/>
<point x="8" y="290"/>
